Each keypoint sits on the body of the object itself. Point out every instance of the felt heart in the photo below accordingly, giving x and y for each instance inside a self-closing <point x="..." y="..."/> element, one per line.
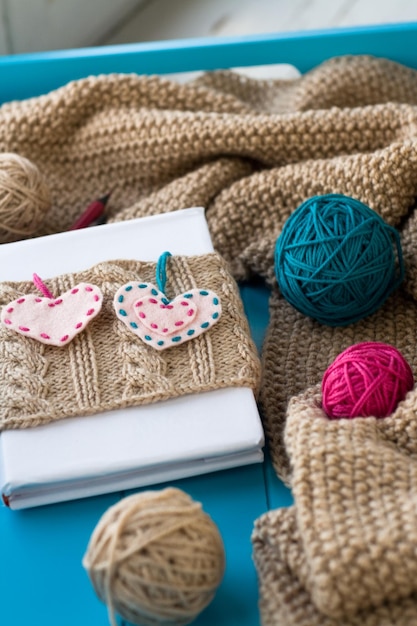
<point x="165" y="319"/>
<point x="162" y="323"/>
<point x="54" y="321"/>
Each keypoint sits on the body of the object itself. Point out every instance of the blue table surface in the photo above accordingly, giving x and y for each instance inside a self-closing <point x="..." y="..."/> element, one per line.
<point x="41" y="576"/>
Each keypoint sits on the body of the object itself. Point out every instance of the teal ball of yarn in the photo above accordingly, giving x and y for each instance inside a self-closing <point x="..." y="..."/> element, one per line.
<point x="336" y="260"/>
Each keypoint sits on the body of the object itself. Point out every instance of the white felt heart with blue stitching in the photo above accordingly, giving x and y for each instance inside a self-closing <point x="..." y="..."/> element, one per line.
<point x="163" y="323"/>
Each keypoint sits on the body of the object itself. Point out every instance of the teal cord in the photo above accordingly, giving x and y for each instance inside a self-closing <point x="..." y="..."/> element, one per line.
<point x="161" y="274"/>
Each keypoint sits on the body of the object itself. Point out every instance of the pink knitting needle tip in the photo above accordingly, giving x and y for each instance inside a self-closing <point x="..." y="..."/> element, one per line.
<point x="39" y="284"/>
<point x="93" y="212"/>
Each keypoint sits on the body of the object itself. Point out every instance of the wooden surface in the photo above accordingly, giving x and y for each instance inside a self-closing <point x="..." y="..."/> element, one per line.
<point x="41" y="576"/>
<point x="43" y="582"/>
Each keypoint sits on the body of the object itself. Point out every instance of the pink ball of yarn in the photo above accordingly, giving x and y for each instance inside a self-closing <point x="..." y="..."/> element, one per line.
<point x="367" y="379"/>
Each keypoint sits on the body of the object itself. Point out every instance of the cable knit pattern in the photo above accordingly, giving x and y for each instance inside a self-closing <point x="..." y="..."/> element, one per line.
<point x="143" y="371"/>
<point x="23" y="373"/>
<point x="82" y="358"/>
<point x="107" y="367"/>
<point x="200" y="351"/>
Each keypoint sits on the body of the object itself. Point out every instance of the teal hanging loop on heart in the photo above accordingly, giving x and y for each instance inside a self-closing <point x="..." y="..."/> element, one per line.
<point x="160" y="322"/>
<point x="161" y="273"/>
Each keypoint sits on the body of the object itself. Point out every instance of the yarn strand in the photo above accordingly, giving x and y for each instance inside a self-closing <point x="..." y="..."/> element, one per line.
<point x="161" y="276"/>
<point x="39" y="284"/>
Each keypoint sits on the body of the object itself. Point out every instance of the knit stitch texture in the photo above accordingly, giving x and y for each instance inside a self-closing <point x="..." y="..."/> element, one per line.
<point x="298" y="350"/>
<point x="106" y="366"/>
<point x="250" y="152"/>
<point x="344" y="554"/>
<point x="284" y="601"/>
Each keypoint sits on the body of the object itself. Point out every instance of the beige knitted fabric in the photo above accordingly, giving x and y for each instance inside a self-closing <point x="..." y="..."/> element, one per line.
<point x="283" y="599"/>
<point x="298" y="350"/>
<point x="250" y="152"/>
<point x="107" y="366"/>
<point x="345" y="552"/>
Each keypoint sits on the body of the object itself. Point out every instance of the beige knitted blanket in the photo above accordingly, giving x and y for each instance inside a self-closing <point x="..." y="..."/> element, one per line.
<point x="250" y="152"/>
<point x="344" y="554"/>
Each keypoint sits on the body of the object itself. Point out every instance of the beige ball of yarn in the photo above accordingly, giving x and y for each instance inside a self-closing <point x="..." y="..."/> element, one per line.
<point x="24" y="197"/>
<point x="155" y="558"/>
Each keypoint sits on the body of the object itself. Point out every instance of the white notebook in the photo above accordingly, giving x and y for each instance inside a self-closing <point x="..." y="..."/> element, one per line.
<point x="137" y="446"/>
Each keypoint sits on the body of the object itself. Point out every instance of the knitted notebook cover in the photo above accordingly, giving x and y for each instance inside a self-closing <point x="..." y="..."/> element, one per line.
<point x="106" y="366"/>
<point x="345" y="552"/>
<point x="137" y="445"/>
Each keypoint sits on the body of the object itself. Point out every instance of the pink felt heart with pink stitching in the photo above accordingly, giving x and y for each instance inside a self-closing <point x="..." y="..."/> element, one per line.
<point x="165" y="318"/>
<point x="164" y="323"/>
<point x="54" y="321"/>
